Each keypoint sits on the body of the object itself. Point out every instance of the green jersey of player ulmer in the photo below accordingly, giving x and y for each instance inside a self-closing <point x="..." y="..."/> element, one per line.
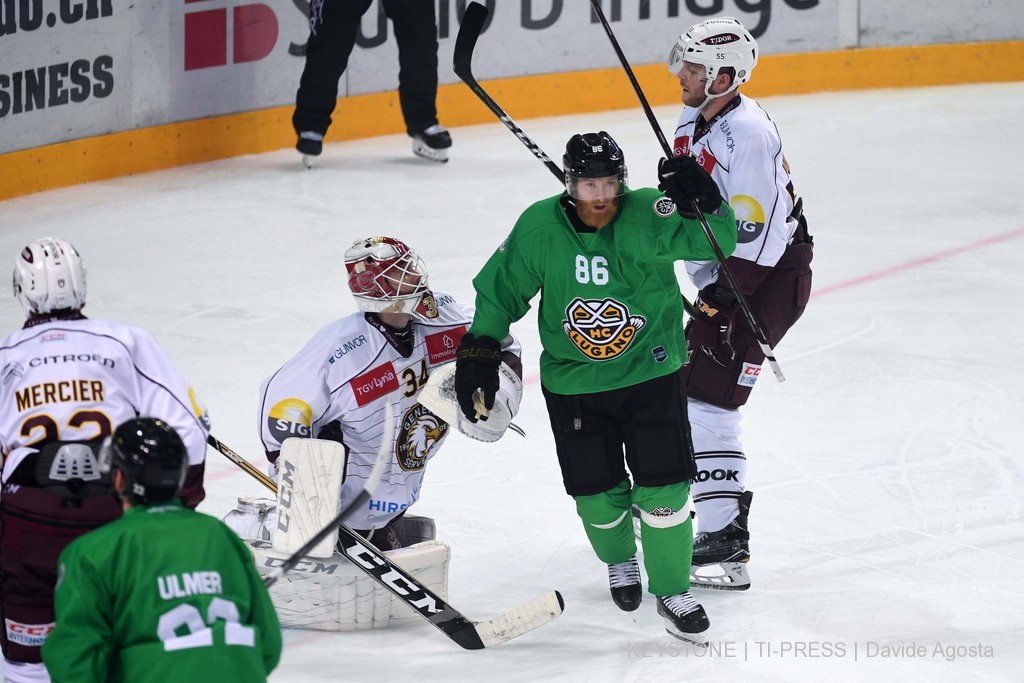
<point x="162" y="594"/>
<point x="611" y="314"/>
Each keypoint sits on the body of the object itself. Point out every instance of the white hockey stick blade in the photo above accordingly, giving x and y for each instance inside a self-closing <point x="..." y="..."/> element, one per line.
<point x="724" y="576"/>
<point x="522" y="619"/>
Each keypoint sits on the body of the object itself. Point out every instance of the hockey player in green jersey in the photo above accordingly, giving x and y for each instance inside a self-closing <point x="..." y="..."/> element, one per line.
<point x="602" y="256"/>
<point x="163" y="593"/>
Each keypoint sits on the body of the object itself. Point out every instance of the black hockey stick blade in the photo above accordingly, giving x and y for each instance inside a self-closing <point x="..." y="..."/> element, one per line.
<point x="465" y="42"/>
<point x="470" y="635"/>
<point x="469" y="31"/>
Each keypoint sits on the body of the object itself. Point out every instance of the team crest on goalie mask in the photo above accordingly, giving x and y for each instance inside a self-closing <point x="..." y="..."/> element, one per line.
<point x="601" y="329"/>
<point x="419" y="433"/>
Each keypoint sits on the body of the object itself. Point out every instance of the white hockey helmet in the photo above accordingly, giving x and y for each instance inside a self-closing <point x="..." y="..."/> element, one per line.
<point x="386" y="275"/>
<point x="49" y="276"/>
<point x="716" y="43"/>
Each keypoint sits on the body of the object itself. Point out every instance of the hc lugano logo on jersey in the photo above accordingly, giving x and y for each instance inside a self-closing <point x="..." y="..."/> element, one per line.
<point x="419" y="433"/>
<point x="664" y="207"/>
<point x="601" y="328"/>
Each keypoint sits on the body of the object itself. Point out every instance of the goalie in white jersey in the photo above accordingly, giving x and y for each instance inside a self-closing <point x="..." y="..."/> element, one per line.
<point x="65" y="382"/>
<point x="735" y="141"/>
<point x="339" y="385"/>
<point x="338" y="388"/>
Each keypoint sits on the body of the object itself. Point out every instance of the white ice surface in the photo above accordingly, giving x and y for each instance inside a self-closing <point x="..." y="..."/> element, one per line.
<point x="886" y="470"/>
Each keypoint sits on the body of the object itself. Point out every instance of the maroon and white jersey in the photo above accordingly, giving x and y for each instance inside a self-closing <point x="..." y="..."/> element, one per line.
<point x="742" y="151"/>
<point x="339" y="385"/>
<point x="78" y="379"/>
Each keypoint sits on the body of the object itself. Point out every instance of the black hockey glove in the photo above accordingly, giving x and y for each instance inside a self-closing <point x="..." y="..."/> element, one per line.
<point x="476" y="367"/>
<point x="683" y="181"/>
<point x="710" y="330"/>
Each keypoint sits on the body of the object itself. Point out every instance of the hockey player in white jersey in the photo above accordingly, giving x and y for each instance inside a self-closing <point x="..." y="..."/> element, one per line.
<point x="732" y="138"/>
<point x="340" y="384"/>
<point x="65" y="382"/>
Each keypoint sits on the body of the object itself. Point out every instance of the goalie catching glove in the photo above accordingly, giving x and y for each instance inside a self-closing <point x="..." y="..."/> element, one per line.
<point x="439" y="396"/>
<point x="710" y="330"/>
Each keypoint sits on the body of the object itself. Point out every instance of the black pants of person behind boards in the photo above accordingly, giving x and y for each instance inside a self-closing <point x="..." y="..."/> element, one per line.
<point x="334" y="26"/>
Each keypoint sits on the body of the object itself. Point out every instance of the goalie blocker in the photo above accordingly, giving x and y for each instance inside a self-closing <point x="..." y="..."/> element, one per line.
<point x="325" y="591"/>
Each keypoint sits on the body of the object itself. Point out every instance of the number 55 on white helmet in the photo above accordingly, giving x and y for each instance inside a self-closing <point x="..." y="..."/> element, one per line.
<point x="49" y="276"/>
<point x="716" y="44"/>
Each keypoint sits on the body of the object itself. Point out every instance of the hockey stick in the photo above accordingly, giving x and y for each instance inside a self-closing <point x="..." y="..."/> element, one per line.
<point x="364" y="495"/>
<point x="469" y="31"/>
<point x="759" y="335"/>
<point x="465" y="42"/>
<point x="471" y="635"/>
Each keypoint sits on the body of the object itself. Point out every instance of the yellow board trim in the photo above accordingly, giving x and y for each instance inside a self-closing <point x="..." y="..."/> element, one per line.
<point x="265" y="130"/>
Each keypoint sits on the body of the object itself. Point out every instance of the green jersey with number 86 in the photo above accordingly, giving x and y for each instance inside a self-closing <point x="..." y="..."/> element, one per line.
<point x="611" y="314"/>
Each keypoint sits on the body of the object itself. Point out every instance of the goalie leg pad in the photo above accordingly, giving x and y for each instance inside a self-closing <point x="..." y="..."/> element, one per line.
<point x="309" y="493"/>
<point x="333" y="594"/>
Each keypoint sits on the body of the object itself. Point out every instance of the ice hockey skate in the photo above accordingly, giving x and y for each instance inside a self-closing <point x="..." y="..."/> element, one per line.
<point x="720" y="557"/>
<point x="624" y="582"/>
<point x="432" y="143"/>
<point x="310" y="145"/>
<point x="685" y="618"/>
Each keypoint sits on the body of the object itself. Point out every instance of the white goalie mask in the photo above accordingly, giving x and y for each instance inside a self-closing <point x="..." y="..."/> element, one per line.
<point x="49" y="276"/>
<point x="386" y="276"/>
<point x="714" y="44"/>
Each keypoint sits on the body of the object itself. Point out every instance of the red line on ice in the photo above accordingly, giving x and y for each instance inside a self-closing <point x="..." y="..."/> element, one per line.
<point x="909" y="265"/>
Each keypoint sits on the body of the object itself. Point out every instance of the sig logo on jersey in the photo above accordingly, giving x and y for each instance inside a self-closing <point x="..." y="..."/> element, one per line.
<point x="749" y="218"/>
<point x="419" y="432"/>
<point x="749" y="374"/>
<point x="601" y="328"/>
<point x="290" y="417"/>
